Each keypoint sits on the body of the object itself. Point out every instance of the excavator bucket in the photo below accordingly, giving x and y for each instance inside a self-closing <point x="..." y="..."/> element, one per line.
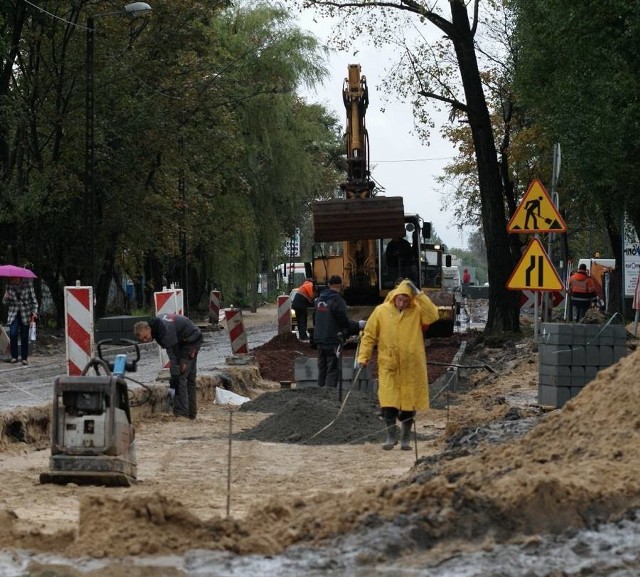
<point x="358" y="219"/>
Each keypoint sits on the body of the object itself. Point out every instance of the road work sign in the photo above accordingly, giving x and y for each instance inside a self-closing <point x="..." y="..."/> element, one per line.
<point x="536" y="213"/>
<point x="535" y="271"/>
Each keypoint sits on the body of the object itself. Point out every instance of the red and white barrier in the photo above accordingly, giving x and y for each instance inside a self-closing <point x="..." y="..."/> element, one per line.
<point x="284" y="314"/>
<point x="214" y="307"/>
<point x="235" y="327"/>
<point x="78" y="308"/>
<point x="166" y="304"/>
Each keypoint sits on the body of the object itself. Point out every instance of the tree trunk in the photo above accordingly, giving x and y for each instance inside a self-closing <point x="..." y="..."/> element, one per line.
<point x="504" y="310"/>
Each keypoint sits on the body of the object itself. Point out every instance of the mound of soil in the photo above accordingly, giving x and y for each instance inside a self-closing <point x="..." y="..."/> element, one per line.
<point x="316" y="416"/>
<point x="276" y="358"/>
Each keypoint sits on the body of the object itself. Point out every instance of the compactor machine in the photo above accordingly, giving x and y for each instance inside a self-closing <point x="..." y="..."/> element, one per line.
<point x="92" y="435"/>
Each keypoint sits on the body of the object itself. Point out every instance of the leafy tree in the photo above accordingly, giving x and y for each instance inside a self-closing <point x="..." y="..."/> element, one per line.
<point x="578" y="75"/>
<point x="205" y="155"/>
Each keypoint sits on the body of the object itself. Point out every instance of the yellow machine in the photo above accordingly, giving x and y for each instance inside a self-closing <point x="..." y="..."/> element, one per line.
<point x="353" y="233"/>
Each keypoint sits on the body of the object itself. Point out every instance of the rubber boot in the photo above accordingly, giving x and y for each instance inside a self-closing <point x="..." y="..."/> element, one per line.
<point x="405" y="439"/>
<point x="392" y="435"/>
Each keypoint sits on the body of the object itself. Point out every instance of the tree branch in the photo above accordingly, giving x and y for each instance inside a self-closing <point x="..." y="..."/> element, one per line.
<point x="452" y="101"/>
<point x="407" y="5"/>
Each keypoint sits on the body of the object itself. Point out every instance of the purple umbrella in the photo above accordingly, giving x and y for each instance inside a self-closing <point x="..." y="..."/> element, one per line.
<point x="9" y="270"/>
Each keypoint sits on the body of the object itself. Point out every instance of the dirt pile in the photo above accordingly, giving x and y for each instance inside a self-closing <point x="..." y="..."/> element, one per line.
<point x="276" y="358"/>
<point x="316" y="416"/>
<point x="578" y="466"/>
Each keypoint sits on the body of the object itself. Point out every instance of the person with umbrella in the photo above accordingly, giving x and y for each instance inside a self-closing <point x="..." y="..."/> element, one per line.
<point x="20" y="297"/>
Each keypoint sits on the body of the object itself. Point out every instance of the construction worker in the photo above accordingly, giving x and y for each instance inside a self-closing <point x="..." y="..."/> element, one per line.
<point x="301" y="303"/>
<point x="396" y="327"/>
<point x="182" y="339"/>
<point x="331" y="327"/>
<point x="582" y="290"/>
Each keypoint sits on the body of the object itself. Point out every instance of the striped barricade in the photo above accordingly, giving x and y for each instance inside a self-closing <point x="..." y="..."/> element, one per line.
<point x="284" y="314"/>
<point x="78" y="308"/>
<point x="214" y="308"/>
<point x="166" y="304"/>
<point x="235" y="327"/>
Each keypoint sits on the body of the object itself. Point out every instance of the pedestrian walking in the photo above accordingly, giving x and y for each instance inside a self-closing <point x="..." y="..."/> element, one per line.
<point x="182" y="340"/>
<point x="301" y="303"/>
<point x="332" y="327"/>
<point x="582" y="290"/>
<point x="20" y="297"/>
<point x="397" y="328"/>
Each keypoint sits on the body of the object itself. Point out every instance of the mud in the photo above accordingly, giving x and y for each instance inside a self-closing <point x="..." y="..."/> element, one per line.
<point x="501" y="487"/>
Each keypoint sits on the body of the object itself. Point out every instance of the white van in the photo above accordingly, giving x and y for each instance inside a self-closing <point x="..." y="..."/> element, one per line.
<point x="603" y="262"/>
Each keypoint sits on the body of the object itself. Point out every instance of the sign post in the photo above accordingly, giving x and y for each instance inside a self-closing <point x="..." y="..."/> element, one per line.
<point x="535" y="214"/>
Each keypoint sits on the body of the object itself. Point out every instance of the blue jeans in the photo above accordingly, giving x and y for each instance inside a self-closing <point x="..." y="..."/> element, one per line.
<point x="17" y="328"/>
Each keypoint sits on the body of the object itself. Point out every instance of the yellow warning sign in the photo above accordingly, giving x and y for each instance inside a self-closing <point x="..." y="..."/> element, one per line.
<point x="536" y="212"/>
<point x="535" y="271"/>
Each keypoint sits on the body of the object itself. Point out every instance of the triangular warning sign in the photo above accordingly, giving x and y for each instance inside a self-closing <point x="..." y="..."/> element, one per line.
<point x="535" y="271"/>
<point x="536" y="212"/>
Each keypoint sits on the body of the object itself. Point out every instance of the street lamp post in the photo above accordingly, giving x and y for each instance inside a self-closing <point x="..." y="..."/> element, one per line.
<point x="89" y="217"/>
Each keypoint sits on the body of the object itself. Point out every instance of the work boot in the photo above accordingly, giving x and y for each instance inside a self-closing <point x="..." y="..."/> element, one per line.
<point x="392" y="435"/>
<point x="405" y="439"/>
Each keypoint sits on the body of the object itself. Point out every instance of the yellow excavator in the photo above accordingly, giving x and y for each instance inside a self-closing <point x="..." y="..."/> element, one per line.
<point x="356" y="235"/>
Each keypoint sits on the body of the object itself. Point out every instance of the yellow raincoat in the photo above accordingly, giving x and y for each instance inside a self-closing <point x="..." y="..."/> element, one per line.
<point x="402" y="361"/>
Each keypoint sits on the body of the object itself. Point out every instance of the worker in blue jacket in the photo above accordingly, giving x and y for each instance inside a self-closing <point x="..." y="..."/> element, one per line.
<point x="331" y="327"/>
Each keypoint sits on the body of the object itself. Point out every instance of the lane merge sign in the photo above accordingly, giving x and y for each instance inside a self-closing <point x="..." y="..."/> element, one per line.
<point x="536" y="213"/>
<point x="535" y="272"/>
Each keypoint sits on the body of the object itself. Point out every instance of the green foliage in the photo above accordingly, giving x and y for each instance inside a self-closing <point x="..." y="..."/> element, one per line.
<point x="199" y="134"/>
<point x="578" y="75"/>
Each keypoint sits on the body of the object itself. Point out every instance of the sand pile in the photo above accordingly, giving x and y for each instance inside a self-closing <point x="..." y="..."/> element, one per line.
<point x="576" y="467"/>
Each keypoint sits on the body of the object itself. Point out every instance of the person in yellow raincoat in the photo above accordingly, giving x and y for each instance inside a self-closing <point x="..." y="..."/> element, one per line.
<point x="397" y="326"/>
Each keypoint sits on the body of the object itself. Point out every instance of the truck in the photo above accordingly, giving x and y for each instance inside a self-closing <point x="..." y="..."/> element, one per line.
<point x="352" y="233"/>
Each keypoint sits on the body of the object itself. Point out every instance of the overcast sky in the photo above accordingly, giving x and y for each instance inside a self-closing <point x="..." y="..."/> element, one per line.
<point x="400" y="162"/>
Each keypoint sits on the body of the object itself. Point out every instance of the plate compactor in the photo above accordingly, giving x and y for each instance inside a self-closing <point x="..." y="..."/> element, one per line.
<point x="92" y="436"/>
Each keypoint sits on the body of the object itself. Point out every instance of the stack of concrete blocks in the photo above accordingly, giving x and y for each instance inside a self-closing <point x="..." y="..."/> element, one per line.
<point x="305" y="374"/>
<point x="572" y="354"/>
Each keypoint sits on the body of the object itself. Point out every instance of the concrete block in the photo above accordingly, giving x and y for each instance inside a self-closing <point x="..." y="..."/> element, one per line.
<point x="619" y="351"/>
<point x="555" y="355"/>
<point x="592" y="333"/>
<point x="578" y="355"/>
<point x="592" y="355"/>
<point x="305" y="374"/>
<point x="590" y="373"/>
<point x="575" y="391"/>
<point x="305" y="369"/>
<point x="556" y="334"/>
<point x="554" y="375"/>
<point x="577" y="376"/>
<point x="548" y="370"/>
<point x="553" y="396"/>
<point x="606" y="356"/>
<point x="612" y="335"/>
<point x="578" y="333"/>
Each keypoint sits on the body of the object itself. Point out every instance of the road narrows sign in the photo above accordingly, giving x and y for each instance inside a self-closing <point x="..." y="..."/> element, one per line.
<point x="536" y="212"/>
<point x="535" y="272"/>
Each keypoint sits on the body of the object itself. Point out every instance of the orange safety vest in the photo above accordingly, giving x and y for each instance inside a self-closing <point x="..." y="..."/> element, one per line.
<point x="581" y="287"/>
<point x="306" y="290"/>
